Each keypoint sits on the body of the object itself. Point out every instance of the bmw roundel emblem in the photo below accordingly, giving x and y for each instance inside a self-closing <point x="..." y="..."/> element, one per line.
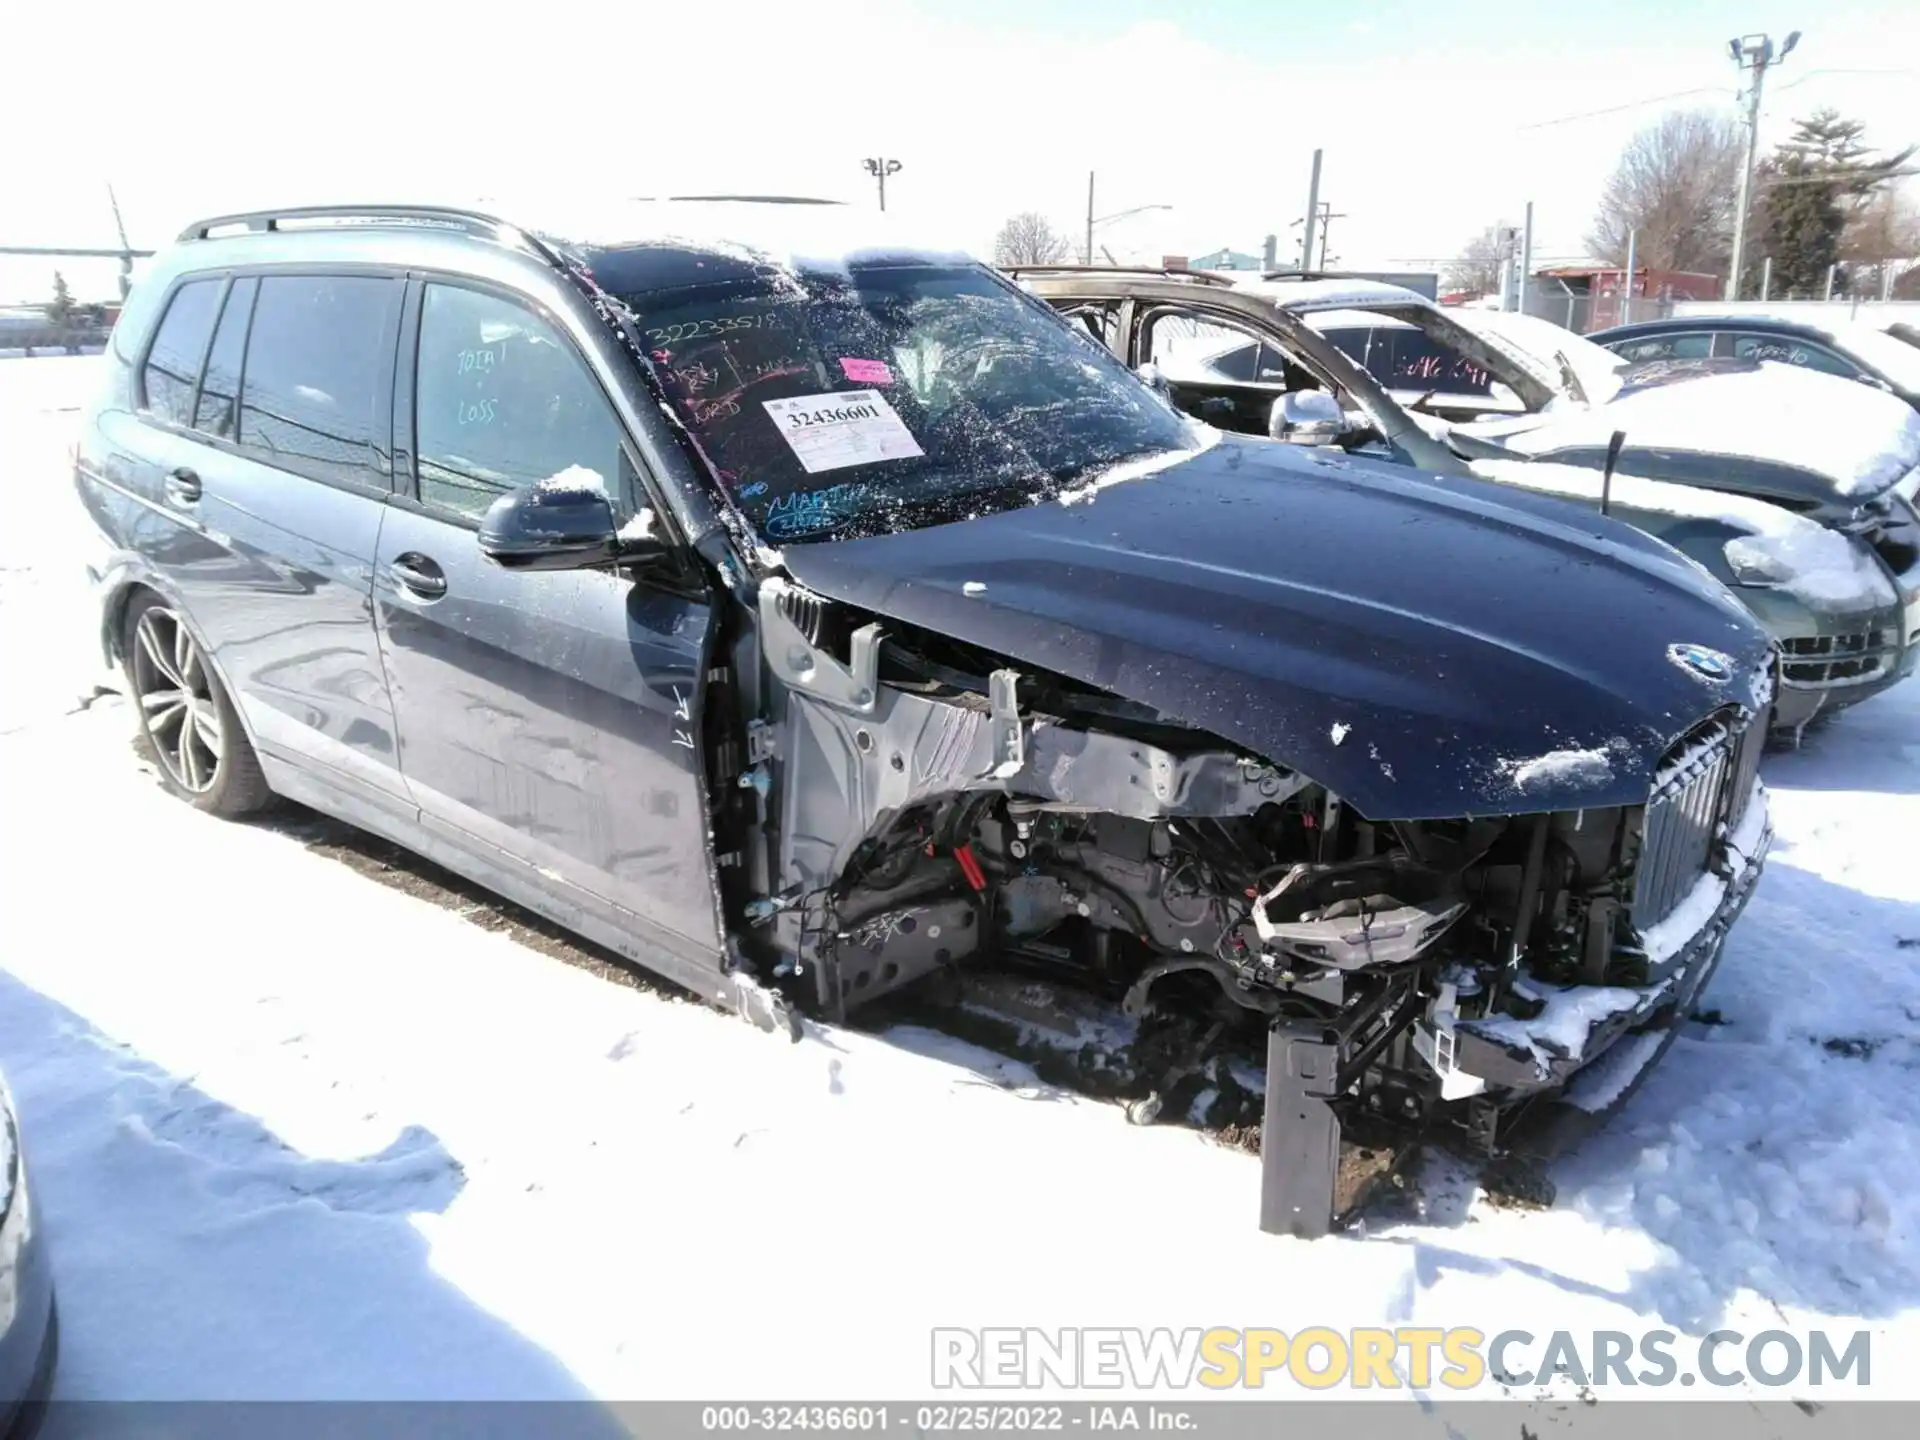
<point x="1700" y="662"/>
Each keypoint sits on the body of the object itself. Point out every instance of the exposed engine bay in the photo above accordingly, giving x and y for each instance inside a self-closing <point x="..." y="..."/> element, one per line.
<point x="924" y="808"/>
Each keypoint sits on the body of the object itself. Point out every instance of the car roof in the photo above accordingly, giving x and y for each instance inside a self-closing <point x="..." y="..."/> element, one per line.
<point x="1673" y="324"/>
<point x="1331" y="293"/>
<point x="626" y="245"/>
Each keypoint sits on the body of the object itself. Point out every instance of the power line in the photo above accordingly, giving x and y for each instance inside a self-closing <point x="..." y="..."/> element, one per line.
<point x="1811" y="74"/>
<point x="1630" y="105"/>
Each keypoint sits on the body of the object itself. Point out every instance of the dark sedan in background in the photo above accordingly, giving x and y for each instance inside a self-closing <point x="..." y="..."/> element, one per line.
<point x="1860" y="350"/>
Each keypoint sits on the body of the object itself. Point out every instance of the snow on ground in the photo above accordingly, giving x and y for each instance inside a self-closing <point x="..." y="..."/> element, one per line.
<point x="298" y="1133"/>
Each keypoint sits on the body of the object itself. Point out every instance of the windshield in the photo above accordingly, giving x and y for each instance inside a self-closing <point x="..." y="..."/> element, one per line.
<point x="833" y="405"/>
<point x="1891" y="356"/>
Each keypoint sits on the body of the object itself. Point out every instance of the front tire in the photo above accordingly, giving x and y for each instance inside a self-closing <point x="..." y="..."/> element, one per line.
<point x="186" y="715"/>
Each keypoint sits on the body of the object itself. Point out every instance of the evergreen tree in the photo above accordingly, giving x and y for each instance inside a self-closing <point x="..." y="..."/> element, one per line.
<point x="1809" y="190"/>
<point x="60" y="308"/>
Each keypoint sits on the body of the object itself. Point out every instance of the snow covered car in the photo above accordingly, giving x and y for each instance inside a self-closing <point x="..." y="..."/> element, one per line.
<point x="1812" y="524"/>
<point x="29" y="1330"/>
<point x="1874" y="353"/>
<point x="1795" y="487"/>
<point x="805" y="613"/>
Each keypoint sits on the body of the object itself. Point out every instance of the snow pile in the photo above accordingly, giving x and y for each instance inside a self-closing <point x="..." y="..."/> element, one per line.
<point x="1561" y="768"/>
<point x="1887" y="353"/>
<point x="576" y="481"/>
<point x="1826" y="569"/>
<point x="640" y="527"/>
<point x="1820" y="567"/>
<point x="1567" y="1016"/>
<point x="1860" y="438"/>
<point x="1774" y="1155"/>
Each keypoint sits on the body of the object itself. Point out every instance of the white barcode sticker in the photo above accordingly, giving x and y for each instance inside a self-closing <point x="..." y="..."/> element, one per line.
<point x="845" y="427"/>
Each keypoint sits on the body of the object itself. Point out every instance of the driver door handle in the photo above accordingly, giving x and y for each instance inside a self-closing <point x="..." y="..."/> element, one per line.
<point x="183" y="486"/>
<point x="418" y="575"/>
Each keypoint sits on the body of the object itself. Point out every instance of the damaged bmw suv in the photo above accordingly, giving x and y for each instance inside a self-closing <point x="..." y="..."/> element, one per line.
<point x="805" y="615"/>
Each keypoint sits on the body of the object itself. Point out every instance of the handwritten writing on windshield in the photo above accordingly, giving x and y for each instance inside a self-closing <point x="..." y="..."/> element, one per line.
<point x="811" y="512"/>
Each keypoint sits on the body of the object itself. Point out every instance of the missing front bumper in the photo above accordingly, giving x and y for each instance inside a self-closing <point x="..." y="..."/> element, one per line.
<point x="1301" y="1141"/>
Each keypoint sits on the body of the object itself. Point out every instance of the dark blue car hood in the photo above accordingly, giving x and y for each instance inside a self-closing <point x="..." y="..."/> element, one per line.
<point x="1410" y="641"/>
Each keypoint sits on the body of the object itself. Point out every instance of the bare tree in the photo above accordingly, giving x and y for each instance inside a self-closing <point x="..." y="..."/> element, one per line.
<point x="1027" y="239"/>
<point x="1883" y="236"/>
<point x="1676" y="185"/>
<point x="1476" y="270"/>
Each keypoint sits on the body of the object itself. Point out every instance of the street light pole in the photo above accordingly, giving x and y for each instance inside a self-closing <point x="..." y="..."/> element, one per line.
<point x="880" y="168"/>
<point x="1753" y="52"/>
<point x="1087" y="259"/>
<point x="1313" y="214"/>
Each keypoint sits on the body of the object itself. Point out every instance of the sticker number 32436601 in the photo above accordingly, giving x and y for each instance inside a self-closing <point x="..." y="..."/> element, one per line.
<point x="842" y="428"/>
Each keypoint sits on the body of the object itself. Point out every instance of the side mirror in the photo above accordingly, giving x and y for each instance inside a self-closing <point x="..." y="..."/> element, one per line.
<point x="555" y="525"/>
<point x="1154" y="376"/>
<point x="1307" y="417"/>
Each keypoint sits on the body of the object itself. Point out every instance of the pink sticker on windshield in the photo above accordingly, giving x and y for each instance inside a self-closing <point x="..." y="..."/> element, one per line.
<point x="867" y="372"/>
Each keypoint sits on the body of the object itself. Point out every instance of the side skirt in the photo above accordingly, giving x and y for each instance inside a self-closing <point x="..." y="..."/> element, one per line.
<point x="616" y="930"/>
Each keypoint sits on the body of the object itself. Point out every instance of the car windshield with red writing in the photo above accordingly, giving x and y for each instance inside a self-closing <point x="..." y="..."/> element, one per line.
<point x="892" y="397"/>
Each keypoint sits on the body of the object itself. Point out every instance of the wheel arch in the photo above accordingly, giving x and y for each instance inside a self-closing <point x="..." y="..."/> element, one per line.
<point x="124" y="592"/>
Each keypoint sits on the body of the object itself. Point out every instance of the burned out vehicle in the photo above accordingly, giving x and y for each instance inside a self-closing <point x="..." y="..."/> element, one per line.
<point x="1795" y="490"/>
<point x="807" y="614"/>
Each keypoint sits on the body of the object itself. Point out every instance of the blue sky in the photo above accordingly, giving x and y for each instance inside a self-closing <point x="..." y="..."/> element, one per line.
<point x="1430" y="115"/>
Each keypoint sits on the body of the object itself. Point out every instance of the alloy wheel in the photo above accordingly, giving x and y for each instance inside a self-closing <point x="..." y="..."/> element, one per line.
<point x="175" y="693"/>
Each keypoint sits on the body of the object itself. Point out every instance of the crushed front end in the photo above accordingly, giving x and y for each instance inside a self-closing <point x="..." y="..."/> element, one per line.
<point x="926" y="809"/>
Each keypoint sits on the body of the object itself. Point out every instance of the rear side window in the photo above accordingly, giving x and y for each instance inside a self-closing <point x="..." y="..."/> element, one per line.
<point x="1785" y="350"/>
<point x="1693" y="345"/>
<point x="1414" y="360"/>
<point x="316" y="365"/>
<point x="503" y="400"/>
<point x="173" y="364"/>
<point x="217" y="411"/>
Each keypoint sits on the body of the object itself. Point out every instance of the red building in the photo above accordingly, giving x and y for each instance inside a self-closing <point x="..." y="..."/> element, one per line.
<point x="1601" y="284"/>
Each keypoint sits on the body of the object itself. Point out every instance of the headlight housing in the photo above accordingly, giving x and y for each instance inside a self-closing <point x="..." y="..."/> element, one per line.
<point x="1753" y="565"/>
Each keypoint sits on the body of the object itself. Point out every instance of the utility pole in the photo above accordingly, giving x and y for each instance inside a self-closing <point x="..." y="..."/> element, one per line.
<point x="1087" y="259"/>
<point x="1323" y="213"/>
<point x="1312" y="213"/>
<point x="126" y="250"/>
<point x="1327" y="216"/>
<point x="1526" y="261"/>
<point x="1626" y="288"/>
<point x="1754" y="53"/>
<point x="880" y="168"/>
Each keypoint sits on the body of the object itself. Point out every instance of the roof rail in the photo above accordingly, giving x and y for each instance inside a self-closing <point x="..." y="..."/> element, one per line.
<point x="1296" y="273"/>
<point x="470" y="222"/>
<point x="1202" y="277"/>
<point x="755" y="199"/>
